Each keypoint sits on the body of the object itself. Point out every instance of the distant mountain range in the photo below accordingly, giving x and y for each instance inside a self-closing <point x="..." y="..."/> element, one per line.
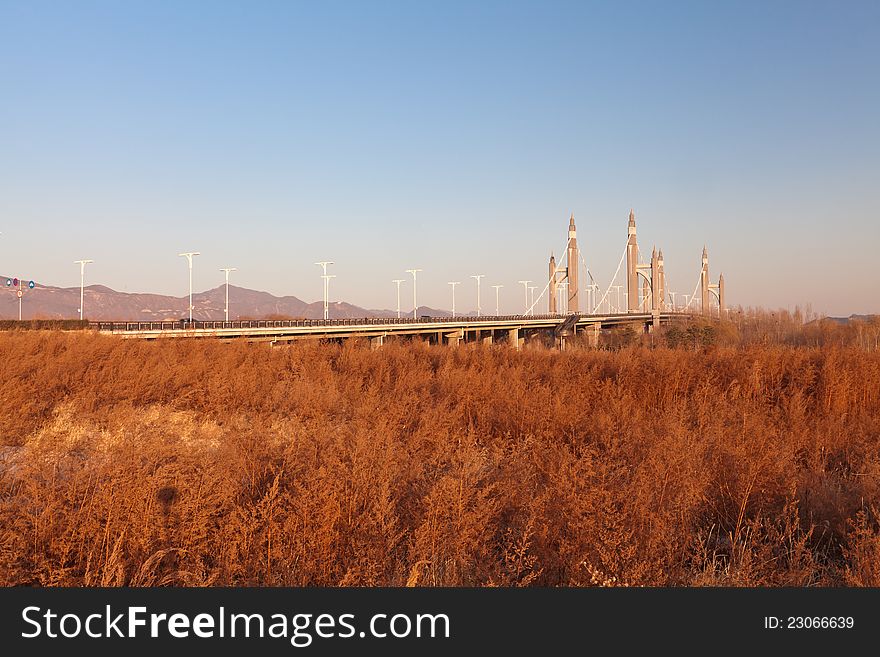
<point x="104" y="304"/>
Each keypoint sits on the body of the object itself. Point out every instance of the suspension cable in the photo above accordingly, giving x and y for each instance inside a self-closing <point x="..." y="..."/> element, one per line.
<point x="549" y="280"/>
<point x="613" y="278"/>
<point x="693" y="296"/>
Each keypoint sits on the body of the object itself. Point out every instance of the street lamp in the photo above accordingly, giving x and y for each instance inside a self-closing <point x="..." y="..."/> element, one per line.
<point x="227" y="270"/>
<point x="398" y="281"/>
<point x="672" y="295"/>
<point x="323" y="264"/>
<point x="532" y="289"/>
<point x="189" y="259"/>
<point x="82" y="277"/>
<point x="477" y="277"/>
<point x="415" y="305"/>
<point x="453" y="284"/>
<point x="327" y="294"/>
<point x="497" y="311"/>
<point x="525" y="285"/>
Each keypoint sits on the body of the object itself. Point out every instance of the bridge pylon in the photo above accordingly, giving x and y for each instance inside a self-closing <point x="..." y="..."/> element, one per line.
<point x="569" y="273"/>
<point x="661" y="281"/>
<point x="632" y="266"/>
<point x="571" y="267"/>
<point x="647" y="293"/>
<point x="704" y="283"/>
<point x="709" y="289"/>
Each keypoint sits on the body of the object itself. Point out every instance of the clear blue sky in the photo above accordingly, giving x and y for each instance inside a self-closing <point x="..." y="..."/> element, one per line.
<point x="455" y="137"/>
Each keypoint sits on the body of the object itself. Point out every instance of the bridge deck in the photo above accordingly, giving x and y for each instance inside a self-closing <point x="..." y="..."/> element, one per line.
<point x="366" y="327"/>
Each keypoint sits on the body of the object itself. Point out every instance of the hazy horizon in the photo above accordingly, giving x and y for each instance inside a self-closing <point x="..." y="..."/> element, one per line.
<point x="455" y="138"/>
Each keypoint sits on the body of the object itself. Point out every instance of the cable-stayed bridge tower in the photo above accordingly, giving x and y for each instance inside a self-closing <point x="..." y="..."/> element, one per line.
<point x="569" y="274"/>
<point x="632" y="264"/>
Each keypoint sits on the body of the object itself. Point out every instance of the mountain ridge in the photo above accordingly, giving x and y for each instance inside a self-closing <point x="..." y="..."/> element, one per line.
<point x="103" y="303"/>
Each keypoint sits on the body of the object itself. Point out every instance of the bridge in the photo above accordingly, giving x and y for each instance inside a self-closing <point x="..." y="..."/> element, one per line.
<point x="510" y="329"/>
<point x="648" y="304"/>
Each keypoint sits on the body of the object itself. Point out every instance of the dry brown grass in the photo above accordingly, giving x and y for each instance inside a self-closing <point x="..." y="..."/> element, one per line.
<point x="208" y="463"/>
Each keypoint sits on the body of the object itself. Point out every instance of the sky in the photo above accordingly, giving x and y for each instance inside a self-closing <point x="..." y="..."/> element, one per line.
<point x="454" y="137"/>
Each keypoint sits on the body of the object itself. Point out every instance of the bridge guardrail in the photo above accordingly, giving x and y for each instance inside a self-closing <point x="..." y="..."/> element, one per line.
<point x="186" y="324"/>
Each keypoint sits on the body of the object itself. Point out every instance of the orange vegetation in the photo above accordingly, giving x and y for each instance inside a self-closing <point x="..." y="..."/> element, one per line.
<point x="208" y="463"/>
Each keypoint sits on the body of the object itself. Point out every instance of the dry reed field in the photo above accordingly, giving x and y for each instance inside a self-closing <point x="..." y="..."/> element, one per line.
<point x="744" y="454"/>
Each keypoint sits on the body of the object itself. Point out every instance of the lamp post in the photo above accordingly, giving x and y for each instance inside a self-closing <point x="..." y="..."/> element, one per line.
<point x="398" y="281"/>
<point x="453" y="284"/>
<point x="477" y="277"/>
<point x="323" y="264"/>
<point x="497" y="306"/>
<point x="525" y="285"/>
<point x="227" y="270"/>
<point x="189" y="259"/>
<point x="532" y="289"/>
<point x="327" y="278"/>
<point x="82" y="278"/>
<point x="415" y="304"/>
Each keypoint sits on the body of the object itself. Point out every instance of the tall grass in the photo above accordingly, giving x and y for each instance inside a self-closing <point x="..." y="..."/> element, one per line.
<point x="208" y="463"/>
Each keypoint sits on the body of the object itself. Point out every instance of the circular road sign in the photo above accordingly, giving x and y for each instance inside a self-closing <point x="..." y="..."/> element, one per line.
<point x="32" y="285"/>
<point x="19" y="294"/>
<point x="8" y="282"/>
<point x="15" y="281"/>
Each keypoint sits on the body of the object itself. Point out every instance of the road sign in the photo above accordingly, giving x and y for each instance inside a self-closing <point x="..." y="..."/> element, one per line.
<point x="15" y="282"/>
<point x="19" y="294"/>
<point x="32" y="285"/>
<point x="8" y="282"/>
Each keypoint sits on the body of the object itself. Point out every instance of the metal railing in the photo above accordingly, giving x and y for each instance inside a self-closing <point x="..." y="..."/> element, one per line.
<point x="185" y="324"/>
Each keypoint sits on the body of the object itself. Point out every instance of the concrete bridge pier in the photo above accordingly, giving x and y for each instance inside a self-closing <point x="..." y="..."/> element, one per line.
<point x="487" y="339"/>
<point x="452" y="339"/>
<point x="514" y="339"/>
<point x="592" y="331"/>
<point x="377" y="341"/>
